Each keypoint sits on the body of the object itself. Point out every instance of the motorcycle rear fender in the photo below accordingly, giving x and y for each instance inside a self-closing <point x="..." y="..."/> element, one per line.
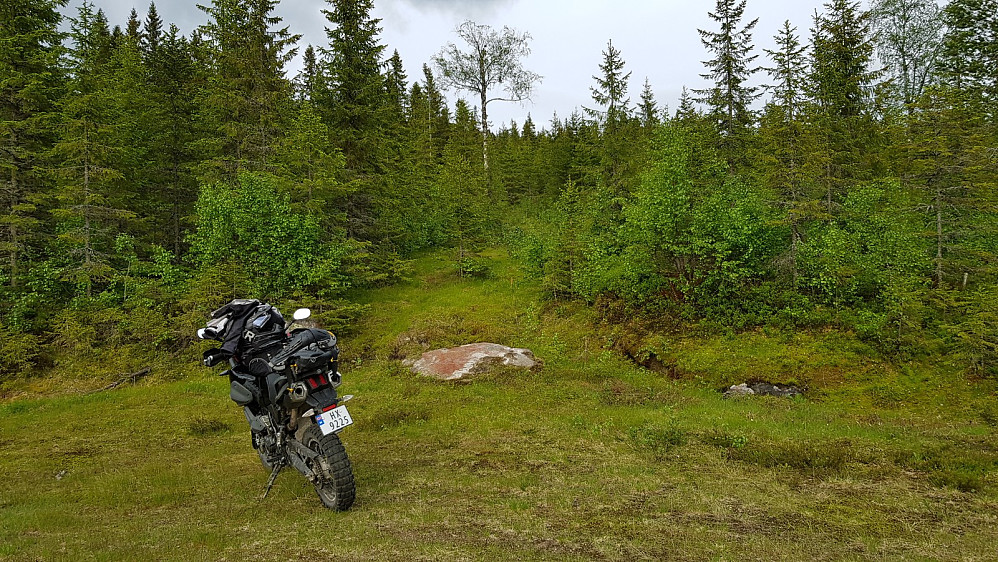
<point x="319" y="399"/>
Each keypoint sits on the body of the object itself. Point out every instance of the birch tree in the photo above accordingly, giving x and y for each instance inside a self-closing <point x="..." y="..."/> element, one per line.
<point x="491" y="67"/>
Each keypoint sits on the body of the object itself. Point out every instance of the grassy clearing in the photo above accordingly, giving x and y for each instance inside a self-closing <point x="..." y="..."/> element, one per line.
<point x="591" y="457"/>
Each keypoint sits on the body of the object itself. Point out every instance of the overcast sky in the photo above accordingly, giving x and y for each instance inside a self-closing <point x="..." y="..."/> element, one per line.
<point x="658" y="39"/>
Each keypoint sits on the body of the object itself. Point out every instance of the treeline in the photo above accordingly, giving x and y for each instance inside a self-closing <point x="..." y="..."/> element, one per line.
<point x="859" y="195"/>
<point x="147" y="176"/>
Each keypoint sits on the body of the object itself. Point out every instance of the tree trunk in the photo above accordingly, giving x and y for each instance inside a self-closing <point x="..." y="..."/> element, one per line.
<point x="939" y="237"/>
<point x="485" y="132"/>
<point x="13" y="228"/>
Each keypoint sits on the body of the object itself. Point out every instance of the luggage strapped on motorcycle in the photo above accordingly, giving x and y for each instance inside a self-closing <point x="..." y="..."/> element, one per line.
<point x="246" y="327"/>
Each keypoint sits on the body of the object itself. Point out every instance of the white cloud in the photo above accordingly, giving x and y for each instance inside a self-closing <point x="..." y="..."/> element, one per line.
<point x="657" y="38"/>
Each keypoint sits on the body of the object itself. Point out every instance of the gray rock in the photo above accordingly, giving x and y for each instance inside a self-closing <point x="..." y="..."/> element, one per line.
<point x="767" y="389"/>
<point x="739" y="390"/>
<point x="762" y="389"/>
<point x="457" y="362"/>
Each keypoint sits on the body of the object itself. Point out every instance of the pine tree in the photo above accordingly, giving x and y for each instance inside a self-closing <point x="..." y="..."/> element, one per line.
<point x="648" y="111"/>
<point x="730" y="99"/>
<point x="355" y="103"/>
<point x="30" y="84"/>
<point x="969" y="55"/>
<point x="789" y="160"/>
<point x="841" y="82"/>
<point x="152" y="30"/>
<point x="89" y="155"/>
<point x="247" y="90"/>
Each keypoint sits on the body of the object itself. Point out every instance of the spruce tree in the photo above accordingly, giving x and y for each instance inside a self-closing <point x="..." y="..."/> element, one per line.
<point x="610" y="91"/>
<point x="355" y="106"/>
<point x="841" y="81"/>
<point x="152" y="30"/>
<point x="969" y="55"/>
<point x="789" y="160"/>
<point x="173" y="79"/>
<point x="842" y="56"/>
<point x="730" y="99"/>
<point x="950" y="164"/>
<point x="465" y="201"/>
<point x="616" y="148"/>
<point x="396" y="86"/>
<point x="89" y="156"/>
<point x="355" y="102"/>
<point x="133" y="29"/>
<point x="648" y="111"/>
<point x="313" y="166"/>
<point x="310" y="80"/>
<point x="246" y="91"/>
<point x="686" y="109"/>
<point x="30" y="85"/>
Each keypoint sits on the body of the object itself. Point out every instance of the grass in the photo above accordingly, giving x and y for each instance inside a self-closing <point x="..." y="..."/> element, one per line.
<point x="591" y="457"/>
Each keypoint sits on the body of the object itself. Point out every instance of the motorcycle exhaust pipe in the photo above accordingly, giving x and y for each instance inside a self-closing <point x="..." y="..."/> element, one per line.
<point x="298" y="392"/>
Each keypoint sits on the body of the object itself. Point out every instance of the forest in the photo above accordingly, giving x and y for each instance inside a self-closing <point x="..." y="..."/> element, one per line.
<point x="819" y="215"/>
<point x="147" y="176"/>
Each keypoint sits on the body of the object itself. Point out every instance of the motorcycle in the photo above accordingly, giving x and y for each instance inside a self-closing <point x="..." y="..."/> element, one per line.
<point x="285" y="378"/>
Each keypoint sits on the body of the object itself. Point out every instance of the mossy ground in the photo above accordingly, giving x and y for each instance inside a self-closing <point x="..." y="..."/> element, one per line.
<point x="591" y="457"/>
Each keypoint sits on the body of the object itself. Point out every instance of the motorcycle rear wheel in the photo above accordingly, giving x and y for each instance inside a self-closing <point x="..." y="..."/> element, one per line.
<point x="336" y="486"/>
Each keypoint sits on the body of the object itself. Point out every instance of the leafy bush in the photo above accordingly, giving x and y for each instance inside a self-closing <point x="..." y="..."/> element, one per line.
<point x="279" y="251"/>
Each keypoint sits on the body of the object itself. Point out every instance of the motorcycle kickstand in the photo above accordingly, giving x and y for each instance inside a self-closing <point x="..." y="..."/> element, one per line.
<point x="273" y="478"/>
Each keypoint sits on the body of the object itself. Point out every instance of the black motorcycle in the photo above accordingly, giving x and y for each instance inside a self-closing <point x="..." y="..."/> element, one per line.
<point x="285" y="378"/>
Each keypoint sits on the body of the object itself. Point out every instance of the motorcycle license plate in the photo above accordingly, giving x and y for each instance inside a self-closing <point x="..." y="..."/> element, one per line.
<point x="333" y="420"/>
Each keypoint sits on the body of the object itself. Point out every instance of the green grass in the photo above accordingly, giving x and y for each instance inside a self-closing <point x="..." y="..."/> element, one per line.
<point x="591" y="457"/>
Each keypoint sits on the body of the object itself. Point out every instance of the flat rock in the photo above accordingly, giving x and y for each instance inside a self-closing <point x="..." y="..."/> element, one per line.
<point x="457" y="362"/>
<point x="739" y="390"/>
<point x="762" y="389"/>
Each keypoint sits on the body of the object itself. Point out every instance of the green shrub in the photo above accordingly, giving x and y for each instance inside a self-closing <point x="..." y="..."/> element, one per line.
<point x="656" y="439"/>
<point x="724" y="440"/>
<point x="798" y="455"/>
<point x="962" y="479"/>
<point x="18" y="352"/>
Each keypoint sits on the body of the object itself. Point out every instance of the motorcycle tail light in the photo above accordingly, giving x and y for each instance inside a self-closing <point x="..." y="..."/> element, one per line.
<point x="330" y="407"/>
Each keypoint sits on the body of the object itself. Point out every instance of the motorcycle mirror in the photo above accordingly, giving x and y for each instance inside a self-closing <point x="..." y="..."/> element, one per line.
<point x="201" y="334"/>
<point x="302" y="313"/>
